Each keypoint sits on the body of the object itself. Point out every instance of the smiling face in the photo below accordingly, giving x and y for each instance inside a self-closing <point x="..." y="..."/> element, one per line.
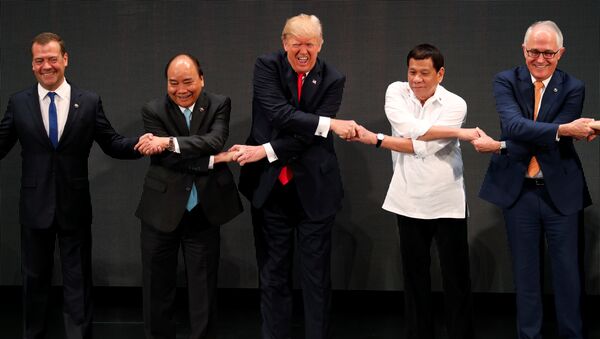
<point x="542" y="40"/>
<point x="184" y="83"/>
<point x="302" y="52"/>
<point x="423" y="78"/>
<point x="48" y="64"/>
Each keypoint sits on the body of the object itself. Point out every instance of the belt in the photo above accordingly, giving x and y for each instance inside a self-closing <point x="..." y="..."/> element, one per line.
<point x="535" y="181"/>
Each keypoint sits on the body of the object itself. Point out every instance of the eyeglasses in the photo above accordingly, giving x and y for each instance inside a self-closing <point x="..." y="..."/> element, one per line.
<point x="534" y="53"/>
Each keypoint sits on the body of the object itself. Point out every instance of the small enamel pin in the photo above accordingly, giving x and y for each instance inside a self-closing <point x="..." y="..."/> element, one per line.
<point x="76" y="105"/>
<point x="314" y="82"/>
<point x="555" y="90"/>
<point x="201" y="109"/>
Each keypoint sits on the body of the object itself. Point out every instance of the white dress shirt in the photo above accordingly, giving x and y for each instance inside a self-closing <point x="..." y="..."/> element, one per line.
<point x="429" y="183"/>
<point x="61" y="100"/>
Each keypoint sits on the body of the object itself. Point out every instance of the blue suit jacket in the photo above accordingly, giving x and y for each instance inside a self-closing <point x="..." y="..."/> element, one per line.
<point x="563" y="174"/>
<point x="289" y="125"/>
<point x="54" y="182"/>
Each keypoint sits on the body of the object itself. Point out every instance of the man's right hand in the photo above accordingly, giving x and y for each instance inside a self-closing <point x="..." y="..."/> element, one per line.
<point x="345" y="129"/>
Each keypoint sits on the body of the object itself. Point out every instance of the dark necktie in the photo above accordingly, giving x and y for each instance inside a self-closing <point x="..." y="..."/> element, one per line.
<point x="286" y="173"/>
<point x="193" y="199"/>
<point x="52" y="121"/>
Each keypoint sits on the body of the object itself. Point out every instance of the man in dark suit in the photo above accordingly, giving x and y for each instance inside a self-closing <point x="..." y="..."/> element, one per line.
<point x="291" y="175"/>
<point x="56" y="124"/>
<point x="188" y="193"/>
<point x="536" y="177"/>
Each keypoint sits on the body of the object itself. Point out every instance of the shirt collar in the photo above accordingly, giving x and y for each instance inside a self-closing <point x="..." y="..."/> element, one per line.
<point x="437" y="95"/>
<point x="63" y="91"/>
<point x="545" y="82"/>
<point x="191" y="108"/>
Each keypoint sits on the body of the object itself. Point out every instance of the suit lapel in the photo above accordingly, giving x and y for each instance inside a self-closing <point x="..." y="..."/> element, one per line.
<point x="525" y="93"/>
<point x="311" y="83"/>
<point x="177" y="117"/>
<point x="199" y="113"/>
<point x="73" y="114"/>
<point x="36" y="116"/>
<point x="550" y="94"/>
<point x="291" y="79"/>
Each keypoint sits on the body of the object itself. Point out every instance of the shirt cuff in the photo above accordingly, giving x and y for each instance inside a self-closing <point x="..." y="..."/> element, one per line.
<point x="211" y="162"/>
<point x="323" y="127"/>
<point x="270" y="152"/>
<point x="176" y="144"/>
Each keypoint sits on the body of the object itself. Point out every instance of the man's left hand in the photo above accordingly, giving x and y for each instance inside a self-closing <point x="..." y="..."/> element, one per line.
<point x="245" y="154"/>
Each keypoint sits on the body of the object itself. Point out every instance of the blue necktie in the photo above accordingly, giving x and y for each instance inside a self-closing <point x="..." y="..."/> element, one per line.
<point x="52" y="121"/>
<point x="193" y="199"/>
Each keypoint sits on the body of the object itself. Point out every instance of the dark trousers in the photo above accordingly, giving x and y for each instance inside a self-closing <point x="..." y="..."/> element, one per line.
<point x="276" y="226"/>
<point x="200" y="243"/>
<point x="450" y="236"/>
<point x="37" y="261"/>
<point x="527" y="221"/>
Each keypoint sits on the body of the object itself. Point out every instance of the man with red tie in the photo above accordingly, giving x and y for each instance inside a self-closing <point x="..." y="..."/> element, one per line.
<point x="291" y="175"/>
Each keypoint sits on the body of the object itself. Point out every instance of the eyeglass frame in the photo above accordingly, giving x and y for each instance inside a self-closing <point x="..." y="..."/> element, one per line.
<point x="543" y="54"/>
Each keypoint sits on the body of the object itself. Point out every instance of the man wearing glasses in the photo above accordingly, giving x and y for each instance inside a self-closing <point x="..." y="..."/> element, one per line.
<point x="536" y="177"/>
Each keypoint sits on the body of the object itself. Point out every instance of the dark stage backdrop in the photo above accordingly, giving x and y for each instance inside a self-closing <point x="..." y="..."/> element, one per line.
<point x="119" y="49"/>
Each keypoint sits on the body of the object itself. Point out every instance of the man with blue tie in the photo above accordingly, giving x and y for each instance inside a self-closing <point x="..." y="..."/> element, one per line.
<point x="56" y="124"/>
<point x="189" y="192"/>
<point x="536" y="177"/>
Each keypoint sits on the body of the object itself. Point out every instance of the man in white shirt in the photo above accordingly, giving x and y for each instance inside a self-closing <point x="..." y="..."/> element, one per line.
<point x="427" y="191"/>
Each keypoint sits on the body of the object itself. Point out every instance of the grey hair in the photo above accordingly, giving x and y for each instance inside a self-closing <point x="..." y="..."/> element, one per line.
<point x="548" y="24"/>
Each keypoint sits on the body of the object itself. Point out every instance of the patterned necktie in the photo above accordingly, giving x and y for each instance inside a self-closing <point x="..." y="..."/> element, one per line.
<point x="534" y="168"/>
<point x="52" y="121"/>
<point x="193" y="199"/>
<point x="286" y="173"/>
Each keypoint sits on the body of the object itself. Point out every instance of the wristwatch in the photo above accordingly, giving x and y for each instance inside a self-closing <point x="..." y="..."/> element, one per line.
<point x="503" y="147"/>
<point x="380" y="137"/>
<point x="171" y="146"/>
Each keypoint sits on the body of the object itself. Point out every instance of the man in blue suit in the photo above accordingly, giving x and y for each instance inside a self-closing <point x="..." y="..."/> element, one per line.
<point x="56" y="124"/>
<point x="536" y="177"/>
<point x="291" y="175"/>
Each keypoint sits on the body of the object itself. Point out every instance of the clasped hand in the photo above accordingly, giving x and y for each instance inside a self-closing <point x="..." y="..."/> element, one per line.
<point x="149" y="144"/>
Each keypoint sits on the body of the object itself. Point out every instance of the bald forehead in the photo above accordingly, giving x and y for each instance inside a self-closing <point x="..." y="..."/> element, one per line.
<point x="180" y="63"/>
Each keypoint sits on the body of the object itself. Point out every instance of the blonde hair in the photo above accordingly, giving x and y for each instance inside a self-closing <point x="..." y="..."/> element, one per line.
<point x="303" y="25"/>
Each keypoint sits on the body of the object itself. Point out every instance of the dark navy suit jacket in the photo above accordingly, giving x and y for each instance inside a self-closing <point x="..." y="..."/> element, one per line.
<point x="54" y="182"/>
<point x="562" y="102"/>
<point x="289" y="125"/>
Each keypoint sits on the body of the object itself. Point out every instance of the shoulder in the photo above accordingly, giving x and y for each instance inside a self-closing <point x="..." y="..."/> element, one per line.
<point x="398" y="88"/>
<point x="568" y="79"/>
<point x="329" y="71"/>
<point x="216" y="98"/>
<point x="511" y="74"/>
<point x="24" y="94"/>
<point x="155" y="105"/>
<point x="83" y="94"/>
<point x="449" y="98"/>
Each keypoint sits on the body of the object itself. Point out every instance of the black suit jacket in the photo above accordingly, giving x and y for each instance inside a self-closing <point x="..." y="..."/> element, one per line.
<point x="54" y="182"/>
<point x="289" y="125"/>
<point x="563" y="174"/>
<point x="170" y="176"/>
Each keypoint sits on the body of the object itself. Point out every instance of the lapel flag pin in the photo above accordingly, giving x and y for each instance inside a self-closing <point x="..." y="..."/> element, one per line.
<point x="76" y="105"/>
<point x="201" y="109"/>
<point x="555" y="90"/>
<point x="314" y="82"/>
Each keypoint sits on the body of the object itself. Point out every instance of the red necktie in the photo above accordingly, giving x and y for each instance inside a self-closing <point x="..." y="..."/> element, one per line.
<point x="286" y="173"/>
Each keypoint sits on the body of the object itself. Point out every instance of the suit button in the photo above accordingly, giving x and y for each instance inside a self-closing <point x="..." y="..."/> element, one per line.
<point x="188" y="189"/>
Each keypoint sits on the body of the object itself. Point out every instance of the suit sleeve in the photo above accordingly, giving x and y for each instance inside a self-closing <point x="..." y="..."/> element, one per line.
<point x="8" y="134"/>
<point x="518" y="128"/>
<point x="112" y="143"/>
<point x="287" y="145"/>
<point x="270" y="96"/>
<point x="195" y="149"/>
